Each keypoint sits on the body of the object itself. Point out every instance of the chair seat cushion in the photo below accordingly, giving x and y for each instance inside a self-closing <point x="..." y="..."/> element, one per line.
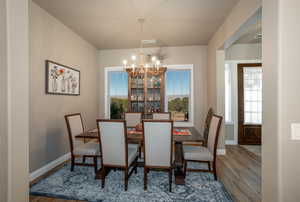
<point x="132" y="152"/>
<point x="197" y="153"/>
<point x="91" y="148"/>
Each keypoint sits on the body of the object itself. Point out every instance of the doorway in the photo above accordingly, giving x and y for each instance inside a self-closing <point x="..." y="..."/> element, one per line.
<point x="249" y="103"/>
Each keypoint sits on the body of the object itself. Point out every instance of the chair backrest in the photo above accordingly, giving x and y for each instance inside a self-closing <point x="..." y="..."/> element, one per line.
<point x="207" y="125"/>
<point x="214" y="131"/>
<point x="158" y="143"/>
<point x="113" y="142"/>
<point x="75" y="127"/>
<point x="133" y="119"/>
<point x="162" y="116"/>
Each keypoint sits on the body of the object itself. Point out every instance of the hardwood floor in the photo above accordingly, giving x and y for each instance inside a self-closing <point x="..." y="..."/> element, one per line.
<point x="240" y="172"/>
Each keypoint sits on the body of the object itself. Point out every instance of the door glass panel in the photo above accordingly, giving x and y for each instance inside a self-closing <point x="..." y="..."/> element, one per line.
<point x="252" y="95"/>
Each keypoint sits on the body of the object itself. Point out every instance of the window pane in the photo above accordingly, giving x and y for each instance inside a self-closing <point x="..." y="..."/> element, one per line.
<point x="118" y="93"/>
<point x="178" y="83"/>
<point x="252" y="95"/>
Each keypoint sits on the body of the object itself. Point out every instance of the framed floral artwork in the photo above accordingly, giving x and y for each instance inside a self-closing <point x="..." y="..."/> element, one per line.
<point x="61" y="79"/>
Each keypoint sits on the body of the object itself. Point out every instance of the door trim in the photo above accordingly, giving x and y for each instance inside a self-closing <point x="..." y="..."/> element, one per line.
<point x="240" y="94"/>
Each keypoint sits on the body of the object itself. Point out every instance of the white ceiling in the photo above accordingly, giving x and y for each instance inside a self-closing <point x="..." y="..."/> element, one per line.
<point x="252" y="34"/>
<point x="112" y="24"/>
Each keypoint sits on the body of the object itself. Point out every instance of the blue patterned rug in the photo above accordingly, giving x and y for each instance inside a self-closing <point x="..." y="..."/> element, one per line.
<point x="81" y="185"/>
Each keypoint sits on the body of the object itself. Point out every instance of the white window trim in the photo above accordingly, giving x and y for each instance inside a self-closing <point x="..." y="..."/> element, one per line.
<point x="190" y="67"/>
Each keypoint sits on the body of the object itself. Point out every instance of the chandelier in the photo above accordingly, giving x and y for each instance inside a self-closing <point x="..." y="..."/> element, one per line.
<point x="140" y="64"/>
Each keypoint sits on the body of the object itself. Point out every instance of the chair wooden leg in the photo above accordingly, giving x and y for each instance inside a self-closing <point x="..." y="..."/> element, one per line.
<point x="184" y="167"/>
<point x="140" y="151"/>
<point x="135" y="166"/>
<point x="126" y="179"/>
<point x="209" y="167"/>
<point x="103" y="178"/>
<point x="95" y="164"/>
<point x="170" y="180"/>
<point x="145" y="178"/>
<point x="72" y="163"/>
<point x="215" y="170"/>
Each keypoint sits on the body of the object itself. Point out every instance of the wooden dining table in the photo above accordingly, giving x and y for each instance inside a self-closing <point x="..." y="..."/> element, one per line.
<point x="136" y="136"/>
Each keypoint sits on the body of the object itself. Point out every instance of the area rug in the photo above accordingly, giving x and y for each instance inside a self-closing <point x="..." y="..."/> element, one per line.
<point x="81" y="185"/>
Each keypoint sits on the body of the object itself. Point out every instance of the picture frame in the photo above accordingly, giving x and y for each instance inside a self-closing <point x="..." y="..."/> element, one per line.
<point x="61" y="79"/>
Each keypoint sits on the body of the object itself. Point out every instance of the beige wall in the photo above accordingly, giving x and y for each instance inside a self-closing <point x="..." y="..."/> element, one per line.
<point x="270" y="141"/>
<point x="215" y="70"/>
<point x="281" y="100"/>
<point x="244" y="52"/>
<point x="3" y="104"/>
<point x="50" y="39"/>
<point x="14" y="100"/>
<point x="196" y="55"/>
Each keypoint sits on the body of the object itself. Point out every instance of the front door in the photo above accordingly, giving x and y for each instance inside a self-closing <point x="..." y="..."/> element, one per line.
<point x="249" y="103"/>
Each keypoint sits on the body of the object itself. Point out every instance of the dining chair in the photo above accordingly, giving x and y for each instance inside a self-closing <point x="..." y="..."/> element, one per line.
<point x="78" y="148"/>
<point x="207" y="125"/>
<point x="133" y="118"/>
<point x="162" y="116"/>
<point x="158" y="150"/>
<point x="115" y="150"/>
<point x="205" y="154"/>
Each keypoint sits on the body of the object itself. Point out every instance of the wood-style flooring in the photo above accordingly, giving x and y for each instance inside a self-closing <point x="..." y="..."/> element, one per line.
<point x="239" y="170"/>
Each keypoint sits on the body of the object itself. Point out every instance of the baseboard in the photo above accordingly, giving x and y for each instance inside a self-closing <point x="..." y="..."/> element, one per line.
<point x="230" y="142"/>
<point x="41" y="171"/>
<point x="221" y="151"/>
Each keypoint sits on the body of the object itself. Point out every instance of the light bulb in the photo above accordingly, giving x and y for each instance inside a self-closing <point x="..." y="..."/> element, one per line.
<point x="157" y="62"/>
<point x="146" y="66"/>
<point x="125" y="62"/>
<point x="153" y="58"/>
<point x="133" y="57"/>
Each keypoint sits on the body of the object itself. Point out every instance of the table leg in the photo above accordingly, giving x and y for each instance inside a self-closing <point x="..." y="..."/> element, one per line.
<point x="178" y="164"/>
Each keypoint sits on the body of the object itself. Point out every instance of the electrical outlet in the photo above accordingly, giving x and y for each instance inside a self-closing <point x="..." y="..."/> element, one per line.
<point x="295" y="128"/>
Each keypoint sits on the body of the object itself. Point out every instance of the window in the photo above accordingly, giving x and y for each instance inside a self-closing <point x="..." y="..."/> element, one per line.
<point x="117" y="93"/>
<point x="228" y="94"/>
<point x="253" y="95"/>
<point x="178" y="94"/>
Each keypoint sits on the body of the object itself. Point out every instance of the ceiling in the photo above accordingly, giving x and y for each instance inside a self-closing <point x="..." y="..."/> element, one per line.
<point x="252" y="34"/>
<point x="112" y="24"/>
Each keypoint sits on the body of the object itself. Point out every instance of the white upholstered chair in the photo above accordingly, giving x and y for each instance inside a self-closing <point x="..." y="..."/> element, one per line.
<point x="162" y="116"/>
<point x="158" y="150"/>
<point x="133" y="118"/>
<point x="79" y="149"/>
<point x="205" y="154"/>
<point x="116" y="152"/>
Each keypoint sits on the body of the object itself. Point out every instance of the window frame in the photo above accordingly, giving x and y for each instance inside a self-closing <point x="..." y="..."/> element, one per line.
<point x="190" y="67"/>
<point x="106" y="88"/>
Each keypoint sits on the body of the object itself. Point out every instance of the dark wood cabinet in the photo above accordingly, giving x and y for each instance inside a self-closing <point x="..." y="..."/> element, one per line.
<point x="146" y="91"/>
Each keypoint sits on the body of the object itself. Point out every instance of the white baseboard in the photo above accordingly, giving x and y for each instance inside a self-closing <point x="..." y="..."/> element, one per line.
<point x="221" y="151"/>
<point x="230" y="142"/>
<point x="41" y="171"/>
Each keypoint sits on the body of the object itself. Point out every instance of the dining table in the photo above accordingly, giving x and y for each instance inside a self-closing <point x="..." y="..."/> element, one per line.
<point x="135" y="135"/>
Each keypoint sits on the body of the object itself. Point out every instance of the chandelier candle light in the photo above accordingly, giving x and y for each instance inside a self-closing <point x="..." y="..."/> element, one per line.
<point x="138" y="65"/>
